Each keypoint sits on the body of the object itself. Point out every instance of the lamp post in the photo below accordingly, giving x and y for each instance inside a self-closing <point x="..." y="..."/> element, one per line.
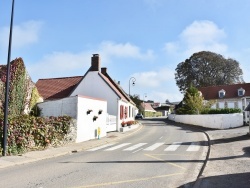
<point x="5" y="128"/>
<point x="133" y="83"/>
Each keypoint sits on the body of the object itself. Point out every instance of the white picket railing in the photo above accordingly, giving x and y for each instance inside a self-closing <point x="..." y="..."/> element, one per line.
<point x="111" y="123"/>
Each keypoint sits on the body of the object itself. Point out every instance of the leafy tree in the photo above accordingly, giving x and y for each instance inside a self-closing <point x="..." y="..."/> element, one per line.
<point x="136" y="99"/>
<point x="205" y="68"/>
<point x="193" y="102"/>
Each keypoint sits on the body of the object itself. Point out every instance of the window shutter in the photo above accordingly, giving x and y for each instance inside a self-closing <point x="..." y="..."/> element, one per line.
<point x="121" y="111"/>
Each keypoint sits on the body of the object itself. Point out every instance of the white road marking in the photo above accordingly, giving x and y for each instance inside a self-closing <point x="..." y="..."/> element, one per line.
<point x="101" y="147"/>
<point x="161" y="138"/>
<point x="137" y="150"/>
<point x="117" y="147"/>
<point x="193" y="147"/>
<point x="154" y="146"/>
<point x="134" y="147"/>
<point x="173" y="146"/>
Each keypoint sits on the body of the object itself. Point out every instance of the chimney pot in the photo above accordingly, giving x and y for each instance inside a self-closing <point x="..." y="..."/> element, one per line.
<point x="104" y="70"/>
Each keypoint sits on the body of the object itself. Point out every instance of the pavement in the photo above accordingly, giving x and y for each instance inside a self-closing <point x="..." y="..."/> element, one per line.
<point x="8" y="161"/>
<point x="227" y="165"/>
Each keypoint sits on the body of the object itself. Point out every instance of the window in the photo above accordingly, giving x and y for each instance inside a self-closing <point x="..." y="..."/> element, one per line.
<point x="222" y="93"/>
<point x="241" y="92"/>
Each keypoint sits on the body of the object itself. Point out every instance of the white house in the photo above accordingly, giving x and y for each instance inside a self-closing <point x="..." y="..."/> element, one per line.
<point x="96" y="83"/>
<point x="229" y="96"/>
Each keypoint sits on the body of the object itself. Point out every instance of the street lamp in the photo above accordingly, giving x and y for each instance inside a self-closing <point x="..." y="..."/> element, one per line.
<point x="5" y="128"/>
<point x="133" y="83"/>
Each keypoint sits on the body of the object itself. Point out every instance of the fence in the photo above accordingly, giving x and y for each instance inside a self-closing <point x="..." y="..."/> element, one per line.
<point x="111" y="123"/>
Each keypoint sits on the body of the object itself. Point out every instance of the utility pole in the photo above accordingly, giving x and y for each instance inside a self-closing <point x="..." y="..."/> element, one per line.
<point x="5" y="128"/>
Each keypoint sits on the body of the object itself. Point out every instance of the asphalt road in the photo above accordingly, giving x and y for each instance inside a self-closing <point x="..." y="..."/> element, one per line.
<point x="159" y="155"/>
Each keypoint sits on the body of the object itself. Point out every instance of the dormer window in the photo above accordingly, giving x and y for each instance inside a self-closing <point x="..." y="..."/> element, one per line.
<point x="222" y="93"/>
<point x="241" y="92"/>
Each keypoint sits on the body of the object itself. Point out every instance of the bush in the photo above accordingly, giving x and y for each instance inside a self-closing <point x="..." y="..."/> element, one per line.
<point x="221" y="111"/>
<point x="33" y="133"/>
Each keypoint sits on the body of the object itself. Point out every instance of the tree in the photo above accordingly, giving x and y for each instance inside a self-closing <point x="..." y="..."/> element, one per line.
<point x="193" y="102"/>
<point x="136" y="99"/>
<point x="205" y="68"/>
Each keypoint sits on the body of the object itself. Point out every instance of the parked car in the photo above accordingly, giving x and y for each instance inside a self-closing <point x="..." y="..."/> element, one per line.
<point x="139" y="116"/>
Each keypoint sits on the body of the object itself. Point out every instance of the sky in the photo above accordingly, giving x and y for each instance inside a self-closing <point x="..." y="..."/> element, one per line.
<point x="144" y="39"/>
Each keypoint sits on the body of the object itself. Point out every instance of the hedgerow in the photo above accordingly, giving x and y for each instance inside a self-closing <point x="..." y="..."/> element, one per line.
<point x="221" y="111"/>
<point x="26" y="133"/>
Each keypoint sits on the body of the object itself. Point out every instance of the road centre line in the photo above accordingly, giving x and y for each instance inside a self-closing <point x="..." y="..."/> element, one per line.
<point x="178" y="166"/>
<point x="133" y="180"/>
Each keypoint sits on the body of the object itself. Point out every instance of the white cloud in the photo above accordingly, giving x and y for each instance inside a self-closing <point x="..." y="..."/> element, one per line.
<point x="199" y="36"/>
<point x="153" y="79"/>
<point x="60" y="64"/>
<point x="110" y="49"/>
<point x="163" y="96"/>
<point x="24" y="34"/>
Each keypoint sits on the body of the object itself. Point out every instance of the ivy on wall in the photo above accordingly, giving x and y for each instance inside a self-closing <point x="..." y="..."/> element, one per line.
<point x="22" y="95"/>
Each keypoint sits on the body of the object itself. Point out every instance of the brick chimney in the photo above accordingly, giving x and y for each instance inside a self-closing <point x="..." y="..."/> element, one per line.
<point x="95" y="62"/>
<point x="104" y="70"/>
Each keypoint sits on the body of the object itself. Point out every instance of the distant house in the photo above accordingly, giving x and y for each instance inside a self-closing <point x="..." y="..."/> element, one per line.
<point x="228" y="96"/>
<point x="147" y="109"/>
<point x="96" y="83"/>
<point x="163" y="108"/>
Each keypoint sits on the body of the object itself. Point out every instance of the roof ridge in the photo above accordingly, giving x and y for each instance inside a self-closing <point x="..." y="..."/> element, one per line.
<point x="59" y="78"/>
<point x="225" y="85"/>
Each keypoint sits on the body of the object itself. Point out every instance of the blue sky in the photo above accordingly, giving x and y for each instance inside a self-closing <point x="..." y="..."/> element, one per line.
<point x="145" y="39"/>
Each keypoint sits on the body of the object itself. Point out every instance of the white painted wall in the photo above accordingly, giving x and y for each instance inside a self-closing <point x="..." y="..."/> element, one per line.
<point x="222" y="104"/>
<point x="215" y="121"/>
<point x="77" y="108"/>
<point x="230" y="105"/>
<point x="93" y="85"/>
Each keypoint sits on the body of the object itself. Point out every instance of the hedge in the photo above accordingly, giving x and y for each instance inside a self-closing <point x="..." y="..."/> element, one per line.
<point x="221" y="111"/>
<point x="26" y="133"/>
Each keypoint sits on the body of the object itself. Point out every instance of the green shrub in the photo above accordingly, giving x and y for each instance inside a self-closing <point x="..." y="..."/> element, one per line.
<point x="222" y="111"/>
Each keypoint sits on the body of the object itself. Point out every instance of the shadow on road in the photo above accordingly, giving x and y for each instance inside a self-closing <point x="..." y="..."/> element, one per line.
<point x="241" y="180"/>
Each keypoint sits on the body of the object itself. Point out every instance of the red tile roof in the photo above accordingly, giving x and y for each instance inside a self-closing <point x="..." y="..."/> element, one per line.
<point x="147" y="107"/>
<point x="231" y="91"/>
<point x="57" y="88"/>
<point x="123" y="95"/>
<point x="112" y="86"/>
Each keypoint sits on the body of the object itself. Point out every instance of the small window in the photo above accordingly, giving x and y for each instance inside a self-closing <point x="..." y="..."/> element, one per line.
<point x="222" y="93"/>
<point x="241" y="92"/>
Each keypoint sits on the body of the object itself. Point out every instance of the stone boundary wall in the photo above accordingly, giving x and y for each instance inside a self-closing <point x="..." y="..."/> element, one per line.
<point x="214" y="121"/>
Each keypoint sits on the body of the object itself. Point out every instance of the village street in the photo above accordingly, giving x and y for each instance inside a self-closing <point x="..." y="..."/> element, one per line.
<point x="160" y="154"/>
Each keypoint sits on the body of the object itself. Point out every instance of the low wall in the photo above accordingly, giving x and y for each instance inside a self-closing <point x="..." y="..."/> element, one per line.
<point x="77" y="107"/>
<point x="214" y="121"/>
